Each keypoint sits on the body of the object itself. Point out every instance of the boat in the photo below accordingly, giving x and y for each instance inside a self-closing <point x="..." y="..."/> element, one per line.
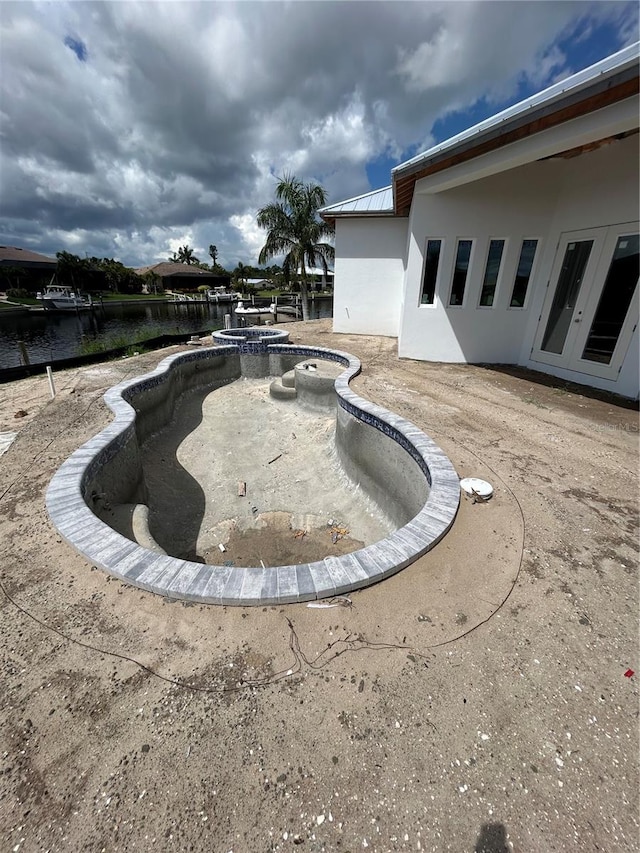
<point x="221" y="295"/>
<point x="61" y="297"/>
<point x="252" y="313"/>
<point x="286" y="310"/>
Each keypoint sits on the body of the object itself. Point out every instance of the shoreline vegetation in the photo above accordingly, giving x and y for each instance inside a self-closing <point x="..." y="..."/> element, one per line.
<point x="134" y="343"/>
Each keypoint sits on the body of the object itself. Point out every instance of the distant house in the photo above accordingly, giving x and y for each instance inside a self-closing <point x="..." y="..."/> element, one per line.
<point x="176" y="276"/>
<point x="316" y="278"/>
<point x="22" y="268"/>
<point x="12" y="256"/>
<point x="319" y="280"/>
<point x="515" y="242"/>
<point x="257" y="283"/>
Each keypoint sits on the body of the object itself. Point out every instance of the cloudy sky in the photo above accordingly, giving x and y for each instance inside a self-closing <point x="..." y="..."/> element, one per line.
<point x="131" y="128"/>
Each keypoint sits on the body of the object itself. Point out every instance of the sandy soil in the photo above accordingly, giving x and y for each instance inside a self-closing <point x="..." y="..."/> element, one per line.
<point x="294" y="484"/>
<point x="475" y="702"/>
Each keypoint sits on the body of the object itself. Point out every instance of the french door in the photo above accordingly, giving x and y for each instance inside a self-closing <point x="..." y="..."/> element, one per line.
<point x="591" y="307"/>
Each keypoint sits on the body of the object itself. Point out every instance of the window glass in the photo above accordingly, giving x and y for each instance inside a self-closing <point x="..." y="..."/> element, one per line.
<point x="460" y="272"/>
<point x="523" y="274"/>
<point x="431" y="263"/>
<point x="574" y="263"/>
<point x="617" y="293"/>
<point x="491" y="272"/>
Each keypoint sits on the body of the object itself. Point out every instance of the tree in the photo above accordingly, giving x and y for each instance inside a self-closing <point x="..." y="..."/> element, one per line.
<point x="295" y="231"/>
<point x="184" y="255"/>
<point x="240" y="273"/>
<point x="116" y="276"/>
<point x="213" y="252"/>
<point x="153" y="281"/>
<point x="12" y="279"/>
<point x="70" y="268"/>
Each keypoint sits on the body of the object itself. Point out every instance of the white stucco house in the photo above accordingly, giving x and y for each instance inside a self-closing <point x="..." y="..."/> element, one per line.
<point x="514" y="242"/>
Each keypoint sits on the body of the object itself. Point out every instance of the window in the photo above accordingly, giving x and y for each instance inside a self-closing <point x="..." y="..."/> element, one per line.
<point x="431" y="263"/>
<point x="574" y="263"/>
<point x="523" y="274"/>
<point x="491" y="272"/>
<point x="615" y="299"/>
<point x="461" y="269"/>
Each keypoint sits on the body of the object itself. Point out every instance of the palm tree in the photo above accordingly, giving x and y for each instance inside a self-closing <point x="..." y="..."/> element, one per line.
<point x="184" y="255"/>
<point x="213" y="251"/>
<point x="295" y="231"/>
<point x="240" y="275"/>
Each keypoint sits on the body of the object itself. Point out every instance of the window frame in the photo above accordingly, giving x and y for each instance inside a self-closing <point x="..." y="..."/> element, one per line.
<point x="469" y="267"/>
<point x="499" y="274"/>
<point x="424" y="271"/>
<point x="532" y="271"/>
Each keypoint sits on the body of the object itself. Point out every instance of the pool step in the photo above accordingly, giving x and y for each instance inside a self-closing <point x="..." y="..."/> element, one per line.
<point x="289" y="379"/>
<point x="279" y="391"/>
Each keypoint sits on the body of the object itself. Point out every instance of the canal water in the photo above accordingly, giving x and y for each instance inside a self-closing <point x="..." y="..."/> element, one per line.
<point x="50" y="336"/>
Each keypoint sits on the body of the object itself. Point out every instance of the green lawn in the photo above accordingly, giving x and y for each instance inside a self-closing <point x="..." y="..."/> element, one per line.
<point x="21" y="300"/>
<point x="130" y="297"/>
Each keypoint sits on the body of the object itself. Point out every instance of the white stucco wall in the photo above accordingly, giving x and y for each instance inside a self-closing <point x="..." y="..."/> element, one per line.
<point x="369" y="271"/>
<point x="512" y="206"/>
<point x="540" y="201"/>
<point x="597" y="189"/>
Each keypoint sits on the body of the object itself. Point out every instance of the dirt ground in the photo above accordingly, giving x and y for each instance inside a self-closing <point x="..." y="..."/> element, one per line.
<point x="286" y="458"/>
<point x="477" y="701"/>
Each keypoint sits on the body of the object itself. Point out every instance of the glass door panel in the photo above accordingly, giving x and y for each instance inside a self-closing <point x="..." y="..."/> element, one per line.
<point x="566" y="295"/>
<point x="617" y="293"/>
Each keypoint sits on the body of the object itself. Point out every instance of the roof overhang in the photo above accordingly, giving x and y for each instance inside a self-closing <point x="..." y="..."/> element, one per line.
<point x="522" y="134"/>
<point x="609" y="123"/>
<point x="330" y="218"/>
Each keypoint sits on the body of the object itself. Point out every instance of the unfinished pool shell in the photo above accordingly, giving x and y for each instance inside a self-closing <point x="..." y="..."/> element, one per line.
<point x="396" y="465"/>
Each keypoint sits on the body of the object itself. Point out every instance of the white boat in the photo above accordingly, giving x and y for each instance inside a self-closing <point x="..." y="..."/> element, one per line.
<point x="61" y="297"/>
<point x="250" y="312"/>
<point x="220" y="295"/>
<point x="286" y="310"/>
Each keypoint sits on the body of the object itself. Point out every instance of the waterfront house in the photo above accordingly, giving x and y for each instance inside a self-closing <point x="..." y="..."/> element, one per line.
<point x="24" y="269"/>
<point x="514" y="242"/>
<point x="168" y="275"/>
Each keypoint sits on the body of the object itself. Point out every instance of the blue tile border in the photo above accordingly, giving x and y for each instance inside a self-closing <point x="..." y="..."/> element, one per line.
<point x="102" y="546"/>
<point x="251" y="339"/>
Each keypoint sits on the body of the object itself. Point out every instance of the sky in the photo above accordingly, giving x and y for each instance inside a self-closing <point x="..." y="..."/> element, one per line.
<point x="128" y="129"/>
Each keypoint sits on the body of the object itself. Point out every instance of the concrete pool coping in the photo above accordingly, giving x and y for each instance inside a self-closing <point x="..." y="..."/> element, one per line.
<point x="169" y="576"/>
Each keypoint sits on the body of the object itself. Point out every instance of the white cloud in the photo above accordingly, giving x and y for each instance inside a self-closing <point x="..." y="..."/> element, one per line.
<point x="252" y="237"/>
<point x="183" y="114"/>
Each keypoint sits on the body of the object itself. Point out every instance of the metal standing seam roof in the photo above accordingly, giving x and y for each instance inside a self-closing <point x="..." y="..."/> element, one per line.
<point x="378" y="202"/>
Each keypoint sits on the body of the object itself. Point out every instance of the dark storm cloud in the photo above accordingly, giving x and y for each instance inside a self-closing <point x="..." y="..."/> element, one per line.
<point x="136" y="125"/>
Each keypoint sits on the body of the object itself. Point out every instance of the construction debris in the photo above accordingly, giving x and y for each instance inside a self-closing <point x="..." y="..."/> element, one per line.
<point x="336" y="601"/>
<point x="338" y="533"/>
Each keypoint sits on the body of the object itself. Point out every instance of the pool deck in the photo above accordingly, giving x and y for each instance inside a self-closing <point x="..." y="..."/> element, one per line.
<point x="482" y="696"/>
